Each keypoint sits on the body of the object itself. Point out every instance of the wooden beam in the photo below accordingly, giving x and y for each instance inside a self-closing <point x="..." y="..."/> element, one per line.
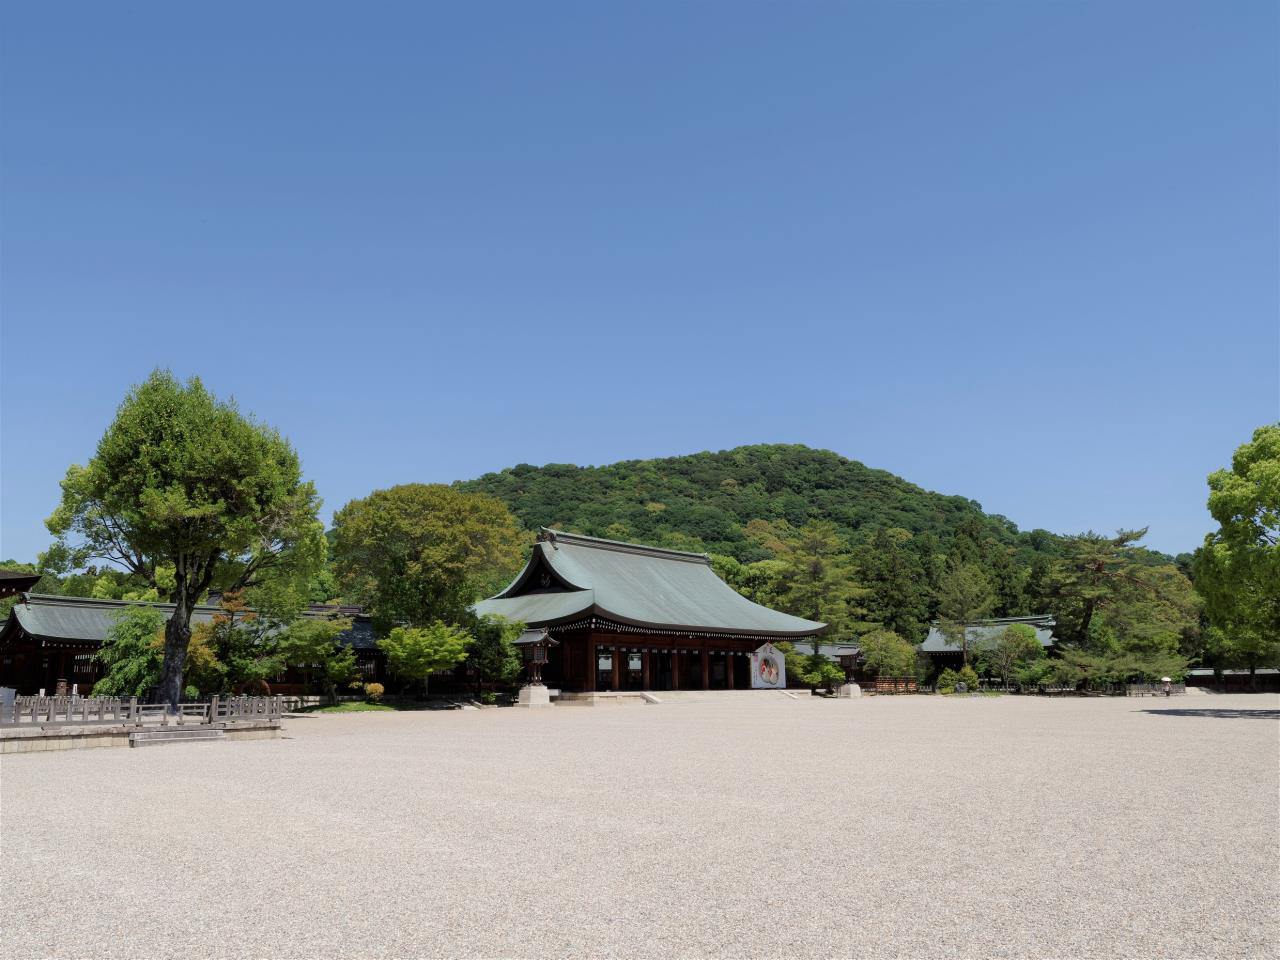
<point x="706" y="669"/>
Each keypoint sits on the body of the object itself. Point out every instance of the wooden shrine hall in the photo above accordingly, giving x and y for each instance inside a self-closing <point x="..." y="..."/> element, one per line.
<point x="621" y="617"/>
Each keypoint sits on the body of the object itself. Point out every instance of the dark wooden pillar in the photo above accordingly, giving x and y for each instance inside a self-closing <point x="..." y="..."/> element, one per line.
<point x="675" y="669"/>
<point x="589" y="681"/>
<point x="617" y="668"/>
<point x="646" y="680"/>
<point x="706" y="669"/>
<point x="728" y="669"/>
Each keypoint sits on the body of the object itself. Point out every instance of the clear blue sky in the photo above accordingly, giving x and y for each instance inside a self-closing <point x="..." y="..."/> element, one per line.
<point x="1025" y="252"/>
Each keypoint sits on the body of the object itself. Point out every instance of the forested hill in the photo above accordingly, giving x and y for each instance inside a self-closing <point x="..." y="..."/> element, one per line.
<point x="703" y="501"/>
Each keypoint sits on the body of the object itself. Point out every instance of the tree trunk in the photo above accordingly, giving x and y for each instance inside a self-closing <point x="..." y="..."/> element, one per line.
<point x="1086" y="619"/>
<point x="177" y="637"/>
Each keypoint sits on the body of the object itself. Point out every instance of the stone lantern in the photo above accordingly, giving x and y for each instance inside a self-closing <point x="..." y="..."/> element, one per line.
<point x="535" y="644"/>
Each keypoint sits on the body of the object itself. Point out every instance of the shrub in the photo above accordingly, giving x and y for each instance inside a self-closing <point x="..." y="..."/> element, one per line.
<point x="489" y="698"/>
<point x="949" y="679"/>
<point x="373" y="692"/>
<point x="1035" y="672"/>
<point x="888" y="655"/>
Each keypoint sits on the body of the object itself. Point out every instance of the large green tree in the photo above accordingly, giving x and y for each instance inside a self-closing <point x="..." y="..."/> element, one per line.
<point x="1015" y="646"/>
<point x="817" y="578"/>
<point x="312" y="645"/>
<point x="1092" y="573"/>
<point x="1129" y="607"/>
<point x="1238" y="568"/>
<point x="494" y="654"/>
<point x="420" y="552"/>
<point x="898" y="591"/>
<point x="185" y="492"/>
<point x="964" y="595"/>
<point x="130" y="656"/>
<point x="888" y="655"/>
<point x="415" y="653"/>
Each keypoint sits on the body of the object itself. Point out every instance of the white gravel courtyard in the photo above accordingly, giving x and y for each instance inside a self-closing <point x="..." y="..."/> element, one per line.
<point x="909" y="826"/>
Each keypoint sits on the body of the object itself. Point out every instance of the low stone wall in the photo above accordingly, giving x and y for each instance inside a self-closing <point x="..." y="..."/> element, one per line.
<point x="38" y="739"/>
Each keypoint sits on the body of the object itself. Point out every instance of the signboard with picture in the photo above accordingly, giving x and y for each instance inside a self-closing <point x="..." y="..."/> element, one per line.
<point x="768" y="669"/>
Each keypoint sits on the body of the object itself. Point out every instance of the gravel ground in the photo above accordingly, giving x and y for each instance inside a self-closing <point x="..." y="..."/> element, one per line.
<point x="908" y="826"/>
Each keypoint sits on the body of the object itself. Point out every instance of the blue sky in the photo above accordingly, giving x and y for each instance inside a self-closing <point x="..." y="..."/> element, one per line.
<point x="1025" y="252"/>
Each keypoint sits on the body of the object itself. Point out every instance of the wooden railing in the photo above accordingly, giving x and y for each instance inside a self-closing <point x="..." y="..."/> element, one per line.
<point x="60" y="711"/>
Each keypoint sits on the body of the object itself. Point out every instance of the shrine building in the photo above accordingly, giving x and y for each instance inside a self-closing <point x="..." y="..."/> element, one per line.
<point x="625" y="617"/>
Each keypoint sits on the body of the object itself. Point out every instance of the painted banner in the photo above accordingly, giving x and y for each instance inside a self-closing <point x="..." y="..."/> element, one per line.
<point x="768" y="669"/>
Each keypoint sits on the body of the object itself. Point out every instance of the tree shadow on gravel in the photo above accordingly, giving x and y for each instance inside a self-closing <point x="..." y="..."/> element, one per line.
<point x="1221" y="714"/>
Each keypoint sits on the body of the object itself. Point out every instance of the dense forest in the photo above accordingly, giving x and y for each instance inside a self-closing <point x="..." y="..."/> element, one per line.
<point x="704" y="501"/>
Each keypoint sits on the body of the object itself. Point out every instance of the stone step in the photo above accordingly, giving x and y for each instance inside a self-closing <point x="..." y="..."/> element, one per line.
<point x="153" y="738"/>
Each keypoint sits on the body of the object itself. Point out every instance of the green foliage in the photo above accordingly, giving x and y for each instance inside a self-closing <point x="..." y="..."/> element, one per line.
<point x="898" y="593"/>
<point x="422" y="552"/>
<point x="1126" y="612"/>
<point x="810" y="574"/>
<point x="131" y="655"/>
<point x="1078" y="667"/>
<point x="312" y="645"/>
<point x="964" y="595"/>
<point x="1033" y="672"/>
<point x="820" y="671"/>
<point x="185" y="491"/>
<point x="245" y="645"/>
<point x="1238" y="568"/>
<point x="494" y="654"/>
<point x="1090" y="575"/>
<point x="414" y="653"/>
<point x="705" y="501"/>
<point x="888" y="655"/>
<point x="1012" y="648"/>
<point x="949" y="679"/>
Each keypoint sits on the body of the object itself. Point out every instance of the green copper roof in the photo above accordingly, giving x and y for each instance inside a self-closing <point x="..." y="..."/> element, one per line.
<point x="570" y="576"/>
<point x="85" y="621"/>
<point x="981" y="632"/>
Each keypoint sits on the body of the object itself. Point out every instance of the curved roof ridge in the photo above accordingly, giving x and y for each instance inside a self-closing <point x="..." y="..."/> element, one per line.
<point x="636" y="585"/>
<point x="548" y="535"/>
<point x="57" y="599"/>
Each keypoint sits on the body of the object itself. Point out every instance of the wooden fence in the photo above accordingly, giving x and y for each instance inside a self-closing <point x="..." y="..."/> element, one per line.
<point x="896" y="685"/>
<point x="1155" y="689"/>
<point x="60" y="711"/>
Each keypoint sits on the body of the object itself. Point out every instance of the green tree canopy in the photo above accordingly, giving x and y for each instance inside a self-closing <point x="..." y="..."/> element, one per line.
<point x="898" y="589"/>
<point x="494" y="654"/>
<point x="185" y="492"/>
<point x="132" y="654"/>
<point x="421" y="552"/>
<point x="1014" y="647"/>
<point x="312" y="645"/>
<point x="1238" y="567"/>
<point x="414" y="653"/>
<point x="815" y="576"/>
<point x="888" y="655"/>
<point x="964" y="595"/>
